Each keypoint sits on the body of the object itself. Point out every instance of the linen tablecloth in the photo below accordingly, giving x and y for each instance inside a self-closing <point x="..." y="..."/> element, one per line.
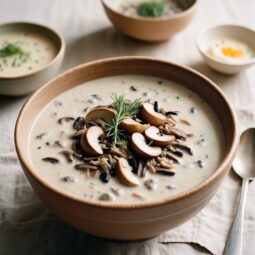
<point x="26" y="225"/>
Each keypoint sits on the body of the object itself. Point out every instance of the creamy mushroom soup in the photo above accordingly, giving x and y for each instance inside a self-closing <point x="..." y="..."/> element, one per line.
<point x="24" y="53"/>
<point x="151" y="8"/>
<point x="172" y="142"/>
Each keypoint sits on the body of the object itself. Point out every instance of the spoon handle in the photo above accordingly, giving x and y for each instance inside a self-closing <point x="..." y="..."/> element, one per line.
<point x="234" y="243"/>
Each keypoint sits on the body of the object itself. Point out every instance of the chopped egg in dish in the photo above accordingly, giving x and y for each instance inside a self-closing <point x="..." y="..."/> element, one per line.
<point x="231" y="51"/>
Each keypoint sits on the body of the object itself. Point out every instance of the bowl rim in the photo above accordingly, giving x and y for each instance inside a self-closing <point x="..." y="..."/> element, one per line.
<point x="160" y="202"/>
<point x="221" y="26"/>
<point x="60" y="51"/>
<point x="150" y="19"/>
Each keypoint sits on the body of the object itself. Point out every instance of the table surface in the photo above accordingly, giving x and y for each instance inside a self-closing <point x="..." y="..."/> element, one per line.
<point x="89" y="36"/>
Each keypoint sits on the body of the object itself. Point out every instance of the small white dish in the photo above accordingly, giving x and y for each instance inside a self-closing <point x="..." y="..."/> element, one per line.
<point x="232" y="32"/>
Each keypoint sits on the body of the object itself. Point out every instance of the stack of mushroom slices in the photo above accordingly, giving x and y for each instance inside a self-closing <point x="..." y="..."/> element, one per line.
<point x="153" y="143"/>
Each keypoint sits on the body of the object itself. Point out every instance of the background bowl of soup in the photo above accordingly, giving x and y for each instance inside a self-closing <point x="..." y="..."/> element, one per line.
<point x="125" y="220"/>
<point x="30" y="55"/>
<point x="125" y="16"/>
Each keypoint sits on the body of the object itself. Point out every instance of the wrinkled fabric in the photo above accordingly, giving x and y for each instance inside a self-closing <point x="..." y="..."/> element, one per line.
<point x="27" y="226"/>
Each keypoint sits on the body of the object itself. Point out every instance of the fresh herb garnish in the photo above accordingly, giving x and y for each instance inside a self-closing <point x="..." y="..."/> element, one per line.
<point x="124" y="110"/>
<point x="15" y="51"/>
<point x="151" y="9"/>
<point x="11" y="49"/>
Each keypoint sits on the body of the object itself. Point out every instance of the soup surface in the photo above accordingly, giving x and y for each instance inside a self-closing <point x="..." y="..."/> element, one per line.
<point x="154" y="8"/>
<point x="24" y="53"/>
<point x="49" y="136"/>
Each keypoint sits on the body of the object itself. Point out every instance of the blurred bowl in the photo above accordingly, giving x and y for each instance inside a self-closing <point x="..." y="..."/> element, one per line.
<point x="150" y="29"/>
<point x="235" y="32"/>
<point x="27" y="83"/>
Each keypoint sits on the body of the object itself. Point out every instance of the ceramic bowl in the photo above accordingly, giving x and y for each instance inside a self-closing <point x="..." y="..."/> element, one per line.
<point x="149" y="29"/>
<point x="25" y="84"/>
<point x="236" y="32"/>
<point x="138" y="221"/>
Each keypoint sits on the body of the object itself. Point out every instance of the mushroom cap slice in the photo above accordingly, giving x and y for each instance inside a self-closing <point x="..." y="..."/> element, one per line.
<point x="132" y="126"/>
<point x="140" y="146"/>
<point x="158" y="138"/>
<point x="151" y="116"/>
<point x="103" y="113"/>
<point x="90" y="143"/>
<point x="124" y="173"/>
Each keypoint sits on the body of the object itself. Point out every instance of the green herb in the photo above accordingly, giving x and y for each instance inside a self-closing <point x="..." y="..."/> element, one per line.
<point x="15" y="51"/>
<point x="11" y="49"/>
<point x="123" y="110"/>
<point x="151" y="9"/>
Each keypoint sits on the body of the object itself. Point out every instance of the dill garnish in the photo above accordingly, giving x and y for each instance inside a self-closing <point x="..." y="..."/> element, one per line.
<point x="124" y="110"/>
<point x="151" y="9"/>
<point x="11" y="49"/>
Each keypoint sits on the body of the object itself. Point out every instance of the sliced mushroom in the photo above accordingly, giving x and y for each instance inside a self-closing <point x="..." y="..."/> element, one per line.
<point x="124" y="173"/>
<point x="158" y="138"/>
<point x="132" y="126"/>
<point x="90" y="141"/>
<point x="104" y="113"/>
<point x="140" y="146"/>
<point x="151" y="116"/>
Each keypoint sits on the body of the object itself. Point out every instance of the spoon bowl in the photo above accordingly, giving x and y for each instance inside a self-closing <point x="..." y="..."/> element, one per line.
<point x="244" y="162"/>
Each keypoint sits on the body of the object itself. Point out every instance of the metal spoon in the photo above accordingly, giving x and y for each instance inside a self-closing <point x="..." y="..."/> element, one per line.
<point x="244" y="166"/>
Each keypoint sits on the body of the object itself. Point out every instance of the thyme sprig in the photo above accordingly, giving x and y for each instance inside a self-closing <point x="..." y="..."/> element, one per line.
<point x="124" y="110"/>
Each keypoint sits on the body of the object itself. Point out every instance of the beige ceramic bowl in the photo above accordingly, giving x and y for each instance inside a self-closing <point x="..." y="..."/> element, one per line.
<point x="127" y="222"/>
<point x="24" y="84"/>
<point x="236" y="32"/>
<point x="149" y="29"/>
